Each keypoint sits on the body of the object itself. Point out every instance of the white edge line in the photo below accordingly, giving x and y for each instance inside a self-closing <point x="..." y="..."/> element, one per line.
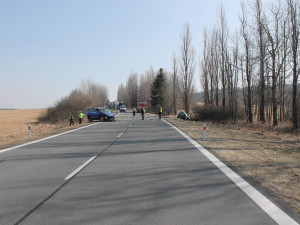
<point x="80" y="168"/>
<point x="263" y="202"/>
<point x="43" y="139"/>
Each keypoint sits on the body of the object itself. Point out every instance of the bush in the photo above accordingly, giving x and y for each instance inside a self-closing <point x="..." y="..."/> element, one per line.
<point x="70" y="105"/>
<point x="213" y="113"/>
<point x="87" y="96"/>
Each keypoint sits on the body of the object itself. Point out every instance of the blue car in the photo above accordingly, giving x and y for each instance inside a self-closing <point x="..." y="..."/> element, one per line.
<point x="101" y="114"/>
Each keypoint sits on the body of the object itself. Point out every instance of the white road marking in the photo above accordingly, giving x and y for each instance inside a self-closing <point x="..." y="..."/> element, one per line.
<point x="264" y="203"/>
<point x="80" y="168"/>
<point x="85" y="164"/>
<point x="120" y="134"/>
<point x="43" y="139"/>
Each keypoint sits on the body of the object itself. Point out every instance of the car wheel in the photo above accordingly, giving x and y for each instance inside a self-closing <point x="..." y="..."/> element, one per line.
<point x="90" y="119"/>
<point x="102" y="118"/>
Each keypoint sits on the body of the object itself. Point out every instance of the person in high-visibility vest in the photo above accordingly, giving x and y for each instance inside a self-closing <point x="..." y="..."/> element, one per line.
<point x="160" y="112"/>
<point x="71" y="120"/>
<point x="143" y="113"/>
<point x="80" y="116"/>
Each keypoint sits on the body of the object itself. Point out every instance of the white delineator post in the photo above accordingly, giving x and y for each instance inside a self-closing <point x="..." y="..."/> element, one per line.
<point x="29" y="131"/>
<point x="204" y="132"/>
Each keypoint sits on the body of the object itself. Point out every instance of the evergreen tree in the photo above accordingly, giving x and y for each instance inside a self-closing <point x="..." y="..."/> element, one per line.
<point x="158" y="89"/>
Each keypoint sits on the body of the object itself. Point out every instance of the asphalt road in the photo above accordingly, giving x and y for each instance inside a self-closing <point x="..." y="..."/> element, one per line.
<point x="124" y="172"/>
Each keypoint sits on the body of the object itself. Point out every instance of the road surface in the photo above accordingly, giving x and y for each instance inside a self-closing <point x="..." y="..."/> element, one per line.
<point x="131" y="171"/>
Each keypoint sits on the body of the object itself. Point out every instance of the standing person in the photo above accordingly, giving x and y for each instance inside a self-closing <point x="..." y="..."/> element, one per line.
<point x="80" y="116"/>
<point x="143" y="113"/>
<point x="160" y="112"/>
<point x="134" y="111"/>
<point x="71" y="120"/>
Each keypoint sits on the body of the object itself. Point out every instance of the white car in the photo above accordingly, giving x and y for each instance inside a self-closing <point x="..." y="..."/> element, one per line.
<point x="122" y="108"/>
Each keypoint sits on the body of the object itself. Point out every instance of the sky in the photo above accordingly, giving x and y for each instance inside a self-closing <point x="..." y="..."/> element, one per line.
<point x="47" y="48"/>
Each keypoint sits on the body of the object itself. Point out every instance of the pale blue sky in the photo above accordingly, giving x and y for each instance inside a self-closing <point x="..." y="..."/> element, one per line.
<point x="47" y="47"/>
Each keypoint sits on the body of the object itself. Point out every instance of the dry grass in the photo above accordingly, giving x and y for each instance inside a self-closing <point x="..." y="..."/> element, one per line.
<point x="14" y="126"/>
<point x="270" y="157"/>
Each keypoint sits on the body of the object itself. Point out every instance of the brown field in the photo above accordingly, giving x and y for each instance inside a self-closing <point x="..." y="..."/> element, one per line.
<point x="269" y="157"/>
<point x="14" y="126"/>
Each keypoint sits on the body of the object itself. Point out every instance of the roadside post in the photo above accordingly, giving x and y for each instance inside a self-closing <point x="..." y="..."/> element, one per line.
<point x="29" y="131"/>
<point x="204" y="132"/>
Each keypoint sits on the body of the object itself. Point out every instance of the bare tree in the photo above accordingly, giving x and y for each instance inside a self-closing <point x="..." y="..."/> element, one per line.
<point x="215" y="67"/>
<point x="204" y="67"/>
<point x="232" y="79"/>
<point x="121" y="93"/>
<point x="142" y="90"/>
<point x="294" y="14"/>
<point x="283" y="73"/>
<point x="246" y="38"/>
<point x="97" y="92"/>
<point x="209" y="67"/>
<point x="187" y="67"/>
<point x="145" y="85"/>
<point x="174" y="82"/>
<point x="169" y="105"/>
<point x="274" y="45"/>
<point x="259" y="17"/>
<point x="223" y="35"/>
<point x="132" y="90"/>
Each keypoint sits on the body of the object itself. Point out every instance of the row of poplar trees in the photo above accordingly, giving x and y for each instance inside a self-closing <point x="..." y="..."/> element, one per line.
<point x="261" y="59"/>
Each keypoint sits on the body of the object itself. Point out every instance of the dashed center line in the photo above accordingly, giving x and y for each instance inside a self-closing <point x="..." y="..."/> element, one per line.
<point x="68" y="178"/>
<point x="120" y="135"/>
<point x="87" y="162"/>
<point x="80" y="168"/>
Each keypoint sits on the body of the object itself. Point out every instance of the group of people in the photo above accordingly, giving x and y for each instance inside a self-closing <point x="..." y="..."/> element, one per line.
<point x="80" y="117"/>
<point x="143" y="111"/>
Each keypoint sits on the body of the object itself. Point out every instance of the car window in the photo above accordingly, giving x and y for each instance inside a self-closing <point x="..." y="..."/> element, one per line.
<point x="101" y="110"/>
<point x="107" y="110"/>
